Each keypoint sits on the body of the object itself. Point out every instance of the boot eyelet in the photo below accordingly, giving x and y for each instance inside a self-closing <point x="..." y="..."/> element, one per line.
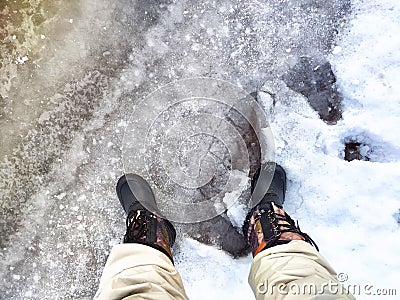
<point x="277" y="233"/>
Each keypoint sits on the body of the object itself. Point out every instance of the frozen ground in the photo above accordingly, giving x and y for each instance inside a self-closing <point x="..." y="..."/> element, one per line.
<point x="73" y="73"/>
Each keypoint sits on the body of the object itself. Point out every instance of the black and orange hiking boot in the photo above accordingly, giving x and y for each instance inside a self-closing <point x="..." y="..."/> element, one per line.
<point x="267" y="224"/>
<point x="143" y="223"/>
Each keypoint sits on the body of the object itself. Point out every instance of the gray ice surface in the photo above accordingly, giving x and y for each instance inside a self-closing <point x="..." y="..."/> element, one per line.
<point x="64" y="111"/>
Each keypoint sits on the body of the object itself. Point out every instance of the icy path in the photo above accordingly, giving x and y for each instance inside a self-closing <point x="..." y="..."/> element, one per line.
<point x="60" y="215"/>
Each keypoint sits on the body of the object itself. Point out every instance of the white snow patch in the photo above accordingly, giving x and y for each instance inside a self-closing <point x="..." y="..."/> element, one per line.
<point x="236" y="210"/>
<point x="60" y="196"/>
<point x="16" y="277"/>
<point x="209" y="273"/>
<point x="122" y="124"/>
<point x="336" y="50"/>
<point x="237" y="213"/>
<point x="20" y="60"/>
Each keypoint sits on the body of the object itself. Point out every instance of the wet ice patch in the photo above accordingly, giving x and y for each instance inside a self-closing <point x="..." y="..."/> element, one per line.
<point x="195" y="140"/>
<point x="315" y="80"/>
<point x="246" y="39"/>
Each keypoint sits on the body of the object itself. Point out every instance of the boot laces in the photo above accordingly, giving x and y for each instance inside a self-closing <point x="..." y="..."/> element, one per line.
<point x="288" y="225"/>
<point x="136" y="224"/>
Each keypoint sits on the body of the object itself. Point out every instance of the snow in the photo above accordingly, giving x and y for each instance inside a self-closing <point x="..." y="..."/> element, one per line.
<point x="58" y="177"/>
<point x="20" y="60"/>
<point x="195" y="262"/>
<point x="348" y="207"/>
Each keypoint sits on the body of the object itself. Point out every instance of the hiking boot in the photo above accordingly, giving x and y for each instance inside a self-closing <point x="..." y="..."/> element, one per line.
<point x="267" y="224"/>
<point x="143" y="223"/>
<point x="264" y="189"/>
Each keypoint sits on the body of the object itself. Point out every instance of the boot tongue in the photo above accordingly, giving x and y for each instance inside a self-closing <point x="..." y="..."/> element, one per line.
<point x="272" y="197"/>
<point x="268" y="198"/>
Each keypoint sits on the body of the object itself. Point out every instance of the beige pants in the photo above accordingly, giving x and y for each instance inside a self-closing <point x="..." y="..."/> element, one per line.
<point x="292" y="271"/>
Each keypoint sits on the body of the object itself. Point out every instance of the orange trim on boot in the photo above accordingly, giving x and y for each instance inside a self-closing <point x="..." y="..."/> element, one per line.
<point x="260" y="248"/>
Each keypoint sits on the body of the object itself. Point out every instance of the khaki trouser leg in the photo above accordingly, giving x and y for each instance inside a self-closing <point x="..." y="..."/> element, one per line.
<point x="294" y="271"/>
<point x="135" y="271"/>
